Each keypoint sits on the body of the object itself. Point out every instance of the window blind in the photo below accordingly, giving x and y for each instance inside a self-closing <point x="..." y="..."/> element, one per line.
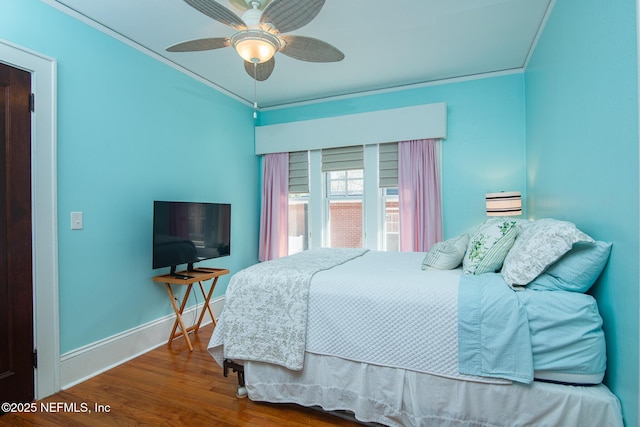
<point x="388" y="165"/>
<point x="342" y="158"/>
<point x="299" y="172"/>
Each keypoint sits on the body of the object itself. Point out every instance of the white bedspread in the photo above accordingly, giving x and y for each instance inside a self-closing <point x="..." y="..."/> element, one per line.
<point x="268" y="322"/>
<point x="383" y="309"/>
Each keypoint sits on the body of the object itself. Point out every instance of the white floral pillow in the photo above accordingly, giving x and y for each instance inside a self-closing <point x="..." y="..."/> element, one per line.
<point x="489" y="246"/>
<point x="446" y="255"/>
<point x="540" y="245"/>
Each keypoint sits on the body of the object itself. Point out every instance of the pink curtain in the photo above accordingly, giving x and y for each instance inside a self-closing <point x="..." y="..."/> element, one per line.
<point x="419" y="195"/>
<point x="274" y="213"/>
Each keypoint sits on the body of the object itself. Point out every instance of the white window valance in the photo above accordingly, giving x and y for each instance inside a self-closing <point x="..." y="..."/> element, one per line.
<point x="398" y="124"/>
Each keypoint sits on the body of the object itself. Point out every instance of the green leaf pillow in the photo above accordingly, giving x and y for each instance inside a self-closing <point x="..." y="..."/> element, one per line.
<point x="489" y="246"/>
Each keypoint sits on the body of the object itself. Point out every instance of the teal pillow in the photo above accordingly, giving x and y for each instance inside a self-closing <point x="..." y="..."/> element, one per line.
<point x="577" y="270"/>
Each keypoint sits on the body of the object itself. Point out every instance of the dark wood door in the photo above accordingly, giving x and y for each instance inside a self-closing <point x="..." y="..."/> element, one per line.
<point x="16" y="285"/>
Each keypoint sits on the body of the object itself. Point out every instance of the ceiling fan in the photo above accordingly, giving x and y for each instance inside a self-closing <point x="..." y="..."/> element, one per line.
<point x="259" y="33"/>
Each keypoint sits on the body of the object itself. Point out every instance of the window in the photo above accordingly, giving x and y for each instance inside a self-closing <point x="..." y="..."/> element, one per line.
<point x="344" y="191"/>
<point x="298" y="223"/>
<point x="350" y="199"/>
<point x="298" y="212"/>
<point x="388" y="183"/>
<point x="391" y="220"/>
<point x="345" y="183"/>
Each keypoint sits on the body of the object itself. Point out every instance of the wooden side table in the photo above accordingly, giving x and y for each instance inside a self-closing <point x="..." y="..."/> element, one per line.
<point x="188" y="278"/>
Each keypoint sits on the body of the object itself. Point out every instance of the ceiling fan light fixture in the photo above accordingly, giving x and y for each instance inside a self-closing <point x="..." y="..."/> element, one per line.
<point x="255" y="46"/>
<point x="248" y="4"/>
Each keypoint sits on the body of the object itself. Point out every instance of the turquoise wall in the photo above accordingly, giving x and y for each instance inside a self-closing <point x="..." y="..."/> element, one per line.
<point x="484" y="150"/>
<point x="131" y="130"/>
<point x="582" y="157"/>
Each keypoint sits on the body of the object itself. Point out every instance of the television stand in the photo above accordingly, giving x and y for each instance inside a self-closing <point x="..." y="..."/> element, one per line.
<point x="188" y="278"/>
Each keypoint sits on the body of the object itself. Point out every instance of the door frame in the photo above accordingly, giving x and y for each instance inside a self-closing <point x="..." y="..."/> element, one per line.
<point x="44" y="211"/>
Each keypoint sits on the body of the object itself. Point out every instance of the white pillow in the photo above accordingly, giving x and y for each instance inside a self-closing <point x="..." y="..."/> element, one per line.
<point x="489" y="245"/>
<point x="446" y="255"/>
<point x="538" y="246"/>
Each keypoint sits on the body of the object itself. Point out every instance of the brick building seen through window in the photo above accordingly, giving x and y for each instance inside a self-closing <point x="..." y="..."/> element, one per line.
<point x="345" y="215"/>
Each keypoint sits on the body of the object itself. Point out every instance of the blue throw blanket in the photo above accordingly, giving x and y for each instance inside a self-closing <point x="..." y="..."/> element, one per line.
<point x="493" y="330"/>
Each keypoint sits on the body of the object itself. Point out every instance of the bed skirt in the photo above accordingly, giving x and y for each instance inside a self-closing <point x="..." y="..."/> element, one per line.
<point x="398" y="397"/>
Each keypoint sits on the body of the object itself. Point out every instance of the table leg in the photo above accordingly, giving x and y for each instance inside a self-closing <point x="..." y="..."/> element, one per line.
<point x="207" y="306"/>
<point x="178" y="311"/>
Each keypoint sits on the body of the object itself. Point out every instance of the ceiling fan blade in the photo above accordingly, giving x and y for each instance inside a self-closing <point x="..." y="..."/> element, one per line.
<point x="261" y="71"/>
<point x="310" y="49"/>
<point x="216" y="11"/>
<point x="200" y="44"/>
<point x="289" y="15"/>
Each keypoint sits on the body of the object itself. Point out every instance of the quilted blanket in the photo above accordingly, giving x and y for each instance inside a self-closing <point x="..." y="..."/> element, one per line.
<point x="268" y="323"/>
<point x="383" y="309"/>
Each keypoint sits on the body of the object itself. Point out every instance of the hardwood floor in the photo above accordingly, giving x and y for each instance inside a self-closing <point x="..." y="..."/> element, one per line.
<point x="165" y="387"/>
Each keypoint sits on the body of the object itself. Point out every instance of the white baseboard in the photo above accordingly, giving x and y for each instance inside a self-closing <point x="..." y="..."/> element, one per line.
<point x="83" y="363"/>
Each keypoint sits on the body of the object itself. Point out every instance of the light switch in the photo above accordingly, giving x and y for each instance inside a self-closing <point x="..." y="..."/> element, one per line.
<point x="76" y="220"/>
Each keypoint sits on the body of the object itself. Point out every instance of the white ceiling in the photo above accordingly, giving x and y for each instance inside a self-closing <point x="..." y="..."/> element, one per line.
<point x="387" y="44"/>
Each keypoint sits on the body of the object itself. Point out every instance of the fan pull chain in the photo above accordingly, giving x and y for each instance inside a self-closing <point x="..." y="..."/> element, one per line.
<point x="255" y="90"/>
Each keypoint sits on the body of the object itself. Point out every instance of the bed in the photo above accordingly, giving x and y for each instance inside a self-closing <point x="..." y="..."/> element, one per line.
<point x="450" y="337"/>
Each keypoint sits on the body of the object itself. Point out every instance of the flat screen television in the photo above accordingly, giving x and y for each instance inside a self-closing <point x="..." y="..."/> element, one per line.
<point x="189" y="232"/>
